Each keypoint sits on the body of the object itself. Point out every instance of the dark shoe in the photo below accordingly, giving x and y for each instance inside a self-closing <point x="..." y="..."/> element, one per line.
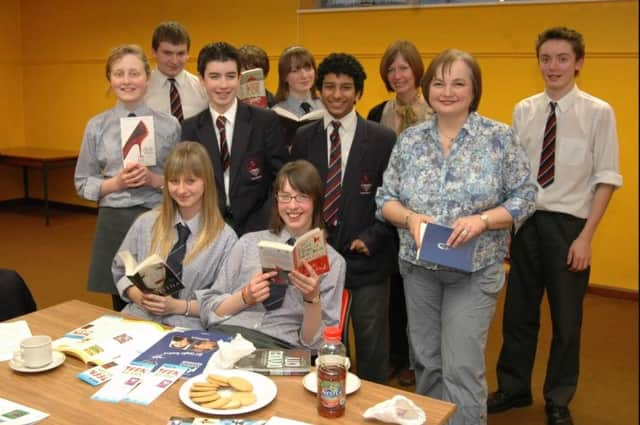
<point x="558" y="415"/>
<point x="500" y="401"/>
<point x="406" y="377"/>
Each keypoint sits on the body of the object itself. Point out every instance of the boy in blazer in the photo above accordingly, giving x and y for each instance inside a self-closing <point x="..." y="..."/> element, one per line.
<point x="351" y="155"/>
<point x="244" y="142"/>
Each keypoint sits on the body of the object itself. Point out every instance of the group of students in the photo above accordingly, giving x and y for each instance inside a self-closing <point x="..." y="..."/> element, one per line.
<point x="226" y="179"/>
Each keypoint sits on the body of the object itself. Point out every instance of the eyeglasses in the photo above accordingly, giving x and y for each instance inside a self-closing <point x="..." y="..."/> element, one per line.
<point x="285" y="198"/>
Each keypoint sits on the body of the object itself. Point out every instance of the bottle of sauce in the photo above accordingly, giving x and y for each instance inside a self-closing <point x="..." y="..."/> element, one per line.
<point x="332" y="373"/>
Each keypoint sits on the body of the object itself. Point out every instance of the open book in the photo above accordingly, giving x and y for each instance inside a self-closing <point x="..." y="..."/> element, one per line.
<point x="151" y="275"/>
<point x="138" y="140"/>
<point x="108" y="338"/>
<point x="310" y="247"/>
<point x="434" y="248"/>
<point x="290" y="121"/>
<point x="252" y="89"/>
<point x="270" y="361"/>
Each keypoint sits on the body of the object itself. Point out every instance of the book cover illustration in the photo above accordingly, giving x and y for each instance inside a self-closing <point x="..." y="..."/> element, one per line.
<point x="434" y="248"/>
<point x="190" y="348"/>
<point x="152" y="275"/>
<point x="310" y="247"/>
<point x="251" y="89"/>
<point x="277" y="362"/>
<point x="108" y="338"/>
<point x="138" y="140"/>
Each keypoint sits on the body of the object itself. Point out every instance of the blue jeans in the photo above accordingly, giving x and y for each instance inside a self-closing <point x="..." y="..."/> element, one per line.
<point x="449" y="314"/>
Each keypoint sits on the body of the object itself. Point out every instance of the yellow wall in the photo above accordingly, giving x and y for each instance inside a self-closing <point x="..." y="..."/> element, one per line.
<point x="56" y="70"/>
<point x="11" y="101"/>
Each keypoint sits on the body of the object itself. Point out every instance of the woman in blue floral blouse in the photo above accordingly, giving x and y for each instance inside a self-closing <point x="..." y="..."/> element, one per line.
<point x="467" y="172"/>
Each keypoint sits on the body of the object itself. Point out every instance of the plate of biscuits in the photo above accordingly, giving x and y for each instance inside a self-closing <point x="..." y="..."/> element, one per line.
<point x="228" y="392"/>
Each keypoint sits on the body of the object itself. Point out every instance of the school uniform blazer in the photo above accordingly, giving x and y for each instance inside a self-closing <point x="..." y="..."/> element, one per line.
<point x="257" y="153"/>
<point x="368" y="157"/>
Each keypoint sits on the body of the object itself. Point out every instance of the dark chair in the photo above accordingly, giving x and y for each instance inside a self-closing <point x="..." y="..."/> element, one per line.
<point x="15" y="295"/>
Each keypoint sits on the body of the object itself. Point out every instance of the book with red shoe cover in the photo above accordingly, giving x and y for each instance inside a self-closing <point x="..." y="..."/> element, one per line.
<point x="138" y="140"/>
<point x="310" y="247"/>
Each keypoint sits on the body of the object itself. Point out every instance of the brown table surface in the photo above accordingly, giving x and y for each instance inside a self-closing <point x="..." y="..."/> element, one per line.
<point x="67" y="399"/>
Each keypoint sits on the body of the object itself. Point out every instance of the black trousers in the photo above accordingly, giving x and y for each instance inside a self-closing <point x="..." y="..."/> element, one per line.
<point x="538" y="264"/>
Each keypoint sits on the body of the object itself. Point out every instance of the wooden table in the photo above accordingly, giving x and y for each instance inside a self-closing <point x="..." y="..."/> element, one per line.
<point x="45" y="159"/>
<point x="67" y="399"/>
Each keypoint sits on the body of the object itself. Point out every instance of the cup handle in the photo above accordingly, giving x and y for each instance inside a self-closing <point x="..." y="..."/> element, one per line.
<point x="17" y="358"/>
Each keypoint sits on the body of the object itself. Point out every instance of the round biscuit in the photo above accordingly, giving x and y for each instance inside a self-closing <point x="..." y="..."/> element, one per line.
<point x="240" y="384"/>
<point x="206" y="398"/>
<point x="245" y="398"/>
<point x="217" y="404"/>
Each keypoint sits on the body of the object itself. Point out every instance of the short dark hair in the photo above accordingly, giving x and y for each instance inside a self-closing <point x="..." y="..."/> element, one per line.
<point x="304" y="178"/>
<point x="219" y="51"/>
<point x="252" y="56"/>
<point x="445" y="59"/>
<point x="342" y="63"/>
<point x="171" y="32"/>
<point x="562" y="33"/>
<point x="409" y="53"/>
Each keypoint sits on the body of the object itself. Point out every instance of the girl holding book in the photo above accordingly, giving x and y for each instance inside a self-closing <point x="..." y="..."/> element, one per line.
<point x="189" y="199"/>
<point x="244" y="300"/>
<point x="296" y="80"/>
<point x="122" y="191"/>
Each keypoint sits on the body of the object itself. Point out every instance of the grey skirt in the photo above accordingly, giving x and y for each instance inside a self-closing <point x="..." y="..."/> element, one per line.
<point x="111" y="228"/>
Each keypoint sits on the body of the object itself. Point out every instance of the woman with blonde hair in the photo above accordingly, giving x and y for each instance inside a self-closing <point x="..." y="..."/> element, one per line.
<point x="122" y="191"/>
<point x="189" y="214"/>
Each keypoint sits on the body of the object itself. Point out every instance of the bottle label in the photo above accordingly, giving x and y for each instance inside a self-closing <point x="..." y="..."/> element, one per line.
<point x="332" y="394"/>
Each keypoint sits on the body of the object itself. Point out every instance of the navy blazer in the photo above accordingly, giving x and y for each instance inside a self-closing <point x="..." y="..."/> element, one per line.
<point x="367" y="161"/>
<point x="257" y="153"/>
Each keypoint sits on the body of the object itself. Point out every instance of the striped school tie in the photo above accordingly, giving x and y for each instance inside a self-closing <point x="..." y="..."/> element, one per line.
<point x="333" y="185"/>
<point x="176" y="104"/>
<point x="546" y="171"/>
<point x="224" y="148"/>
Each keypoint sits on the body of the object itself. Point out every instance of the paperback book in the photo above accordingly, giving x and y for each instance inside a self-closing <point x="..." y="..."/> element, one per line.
<point x="277" y="362"/>
<point x="109" y="338"/>
<point x="251" y="89"/>
<point x="152" y="275"/>
<point x="310" y="247"/>
<point x="138" y="140"/>
<point x="290" y="121"/>
<point x="434" y="248"/>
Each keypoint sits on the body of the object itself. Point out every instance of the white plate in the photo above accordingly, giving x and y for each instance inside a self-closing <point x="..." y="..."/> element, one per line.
<point x="310" y="382"/>
<point x="58" y="359"/>
<point x="264" y="389"/>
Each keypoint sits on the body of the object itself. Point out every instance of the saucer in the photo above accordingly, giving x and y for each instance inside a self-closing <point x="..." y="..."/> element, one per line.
<point x="310" y="382"/>
<point x="58" y="359"/>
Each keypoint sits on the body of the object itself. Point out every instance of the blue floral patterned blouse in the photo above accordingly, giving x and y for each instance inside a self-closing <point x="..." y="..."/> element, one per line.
<point x="485" y="168"/>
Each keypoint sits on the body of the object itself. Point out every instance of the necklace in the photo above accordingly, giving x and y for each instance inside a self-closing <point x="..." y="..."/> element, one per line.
<point x="447" y="138"/>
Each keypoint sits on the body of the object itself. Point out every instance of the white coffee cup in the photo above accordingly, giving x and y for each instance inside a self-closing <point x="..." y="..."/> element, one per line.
<point x="34" y="352"/>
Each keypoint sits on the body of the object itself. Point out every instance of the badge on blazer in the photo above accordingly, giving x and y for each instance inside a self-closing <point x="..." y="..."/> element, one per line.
<point x="254" y="169"/>
<point x="366" y="183"/>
